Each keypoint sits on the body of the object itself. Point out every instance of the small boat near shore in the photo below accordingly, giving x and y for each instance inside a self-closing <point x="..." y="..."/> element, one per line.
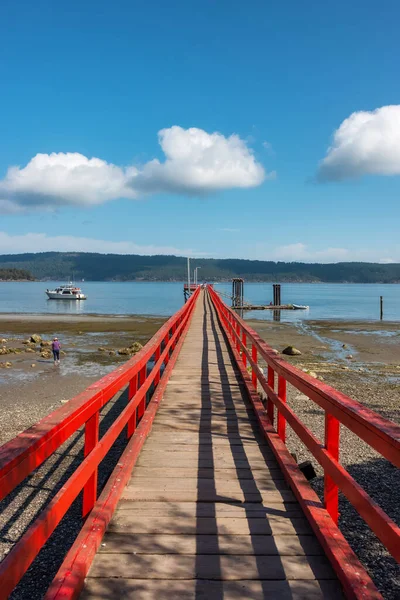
<point x="66" y="292"/>
<point x="300" y="307"/>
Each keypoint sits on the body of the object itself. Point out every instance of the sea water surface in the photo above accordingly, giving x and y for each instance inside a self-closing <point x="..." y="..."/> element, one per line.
<point x="326" y="301"/>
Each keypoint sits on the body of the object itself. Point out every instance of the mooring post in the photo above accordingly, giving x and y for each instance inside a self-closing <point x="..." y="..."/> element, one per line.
<point x="278" y="294"/>
<point x="237" y="292"/>
<point x="381" y="303"/>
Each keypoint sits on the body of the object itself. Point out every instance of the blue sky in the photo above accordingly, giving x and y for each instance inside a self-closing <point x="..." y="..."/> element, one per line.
<point x="100" y="80"/>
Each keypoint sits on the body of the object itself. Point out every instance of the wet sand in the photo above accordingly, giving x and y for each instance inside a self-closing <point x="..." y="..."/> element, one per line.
<point x="28" y="393"/>
<point x="369" y="351"/>
<point x="24" y="323"/>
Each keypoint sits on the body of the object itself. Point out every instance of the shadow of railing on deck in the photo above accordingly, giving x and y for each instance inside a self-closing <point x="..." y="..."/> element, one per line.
<point x="20" y="508"/>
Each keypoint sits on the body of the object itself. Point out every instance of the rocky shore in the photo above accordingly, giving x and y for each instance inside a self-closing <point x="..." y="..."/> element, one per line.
<point x="362" y="360"/>
<point x="31" y="386"/>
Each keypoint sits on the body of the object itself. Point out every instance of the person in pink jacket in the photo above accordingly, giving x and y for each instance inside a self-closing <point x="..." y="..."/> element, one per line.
<point x="55" y="346"/>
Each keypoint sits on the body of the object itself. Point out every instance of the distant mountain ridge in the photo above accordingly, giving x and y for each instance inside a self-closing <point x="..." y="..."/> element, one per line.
<point x="134" y="267"/>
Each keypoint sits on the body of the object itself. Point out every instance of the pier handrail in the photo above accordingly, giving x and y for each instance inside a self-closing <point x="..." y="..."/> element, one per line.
<point x="22" y="455"/>
<point x="379" y="433"/>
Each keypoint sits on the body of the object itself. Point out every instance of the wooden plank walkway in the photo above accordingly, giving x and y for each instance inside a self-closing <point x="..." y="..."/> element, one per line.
<point x="207" y="513"/>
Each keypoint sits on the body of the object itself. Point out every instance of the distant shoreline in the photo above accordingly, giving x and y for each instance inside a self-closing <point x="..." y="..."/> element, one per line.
<point x="95" y="266"/>
<point x="216" y="282"/>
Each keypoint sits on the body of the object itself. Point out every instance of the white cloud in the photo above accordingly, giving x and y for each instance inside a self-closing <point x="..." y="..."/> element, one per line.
<point x="196" y="162"/>
<point x="229" y="230"/>
<point x="298" y="252"/>
<point x="367" y="143"/>
<point x="41" y="242"/>
<point x="301" y="252"/>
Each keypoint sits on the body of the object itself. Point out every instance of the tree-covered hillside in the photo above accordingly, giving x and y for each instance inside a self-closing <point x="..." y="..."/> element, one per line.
<point x="12" y="274"/>
<point x="116" y="267"/>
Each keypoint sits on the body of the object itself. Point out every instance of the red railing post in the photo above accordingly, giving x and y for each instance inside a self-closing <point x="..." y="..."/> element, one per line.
<point x="231" y="325"/>
<point x="156" y="358"/>
<point x="270" y="404"/>
<point x="174" y="327"/>
<point x="244" y="342"/>
<point x="238" y="338"/>
<point x="254" y="369"/>
<point x="331" y="490"/>
<point x="166" y="359"/>
<point x="91" y="439"/>
<point x="142" y="405"/>
<point x="281" y="418"/>
<point x="133" y="387"/>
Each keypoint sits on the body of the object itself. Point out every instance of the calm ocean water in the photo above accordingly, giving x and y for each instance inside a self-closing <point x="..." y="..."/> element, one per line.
<point x="326" y="301"/>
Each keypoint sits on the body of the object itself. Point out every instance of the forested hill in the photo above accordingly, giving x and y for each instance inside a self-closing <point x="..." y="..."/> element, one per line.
<point x="12" y="274"/>
<point x="116" y="267"/>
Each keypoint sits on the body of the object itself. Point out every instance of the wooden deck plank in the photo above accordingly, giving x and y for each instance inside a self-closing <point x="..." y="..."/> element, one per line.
<point x="209" y="473"/>
<point x="267" y="525"/>
<point x="261" y="545"/>
<point x="152" y="589"/>
<point x="207" y="512"/>
<point x="204" y="566"/>
<point x="209" y="509"/>
<point x="206" y="496"/>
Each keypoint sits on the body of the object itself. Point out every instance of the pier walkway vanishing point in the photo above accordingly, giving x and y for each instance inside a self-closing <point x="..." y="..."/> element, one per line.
<point x="205" y="501"/>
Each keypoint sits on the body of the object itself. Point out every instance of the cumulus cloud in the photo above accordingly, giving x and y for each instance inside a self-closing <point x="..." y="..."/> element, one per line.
<point x="41" y="242"/>
<point x="196" y="162"/>
<point x="367" y="143"/>
<point x="301" y="252"/>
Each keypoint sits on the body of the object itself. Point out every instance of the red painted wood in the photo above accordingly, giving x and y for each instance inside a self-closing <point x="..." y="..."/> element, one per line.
<point x="133" y="388"/>
<point x="238" y="333"/>
<point x="70" y="578"/>
<point x="352" y="575"/>
<point x="91" y="440"/>
<point x="379" y="522"/>
<point x="331" y="490"/>
<point x="281" y="417"/>
<point x="21" y="556"/>
<point x="244" y="343"/>
<point x="254" y="365"/>
<point x="166" y="339"/>
<point x="379" y="433"/>
<point x="156" y="357"/>
<point x="142" y="380"/>
<point x="22" y="455"/>
<point x="271" y="384"/>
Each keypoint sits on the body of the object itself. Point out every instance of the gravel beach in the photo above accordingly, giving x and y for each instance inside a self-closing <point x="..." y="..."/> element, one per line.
<point x="27" y="393"/>
<point x="371" y="376"/>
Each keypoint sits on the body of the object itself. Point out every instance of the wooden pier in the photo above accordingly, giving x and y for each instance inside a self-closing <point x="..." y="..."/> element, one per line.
<point x="205" y="502"/>
<point x="207" y="512"/>
<point x="265" y="307"/>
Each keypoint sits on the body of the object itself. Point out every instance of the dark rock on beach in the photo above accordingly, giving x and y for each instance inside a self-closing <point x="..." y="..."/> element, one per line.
<point x="291" y="351"/>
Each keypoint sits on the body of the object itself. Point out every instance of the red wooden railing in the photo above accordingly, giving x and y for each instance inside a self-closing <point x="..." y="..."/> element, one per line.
<point x="382" y="435"/>
<point x="22" y="455"/>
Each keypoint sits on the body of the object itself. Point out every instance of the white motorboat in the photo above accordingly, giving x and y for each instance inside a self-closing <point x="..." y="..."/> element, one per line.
<point x="300" y="307"/>
<point x="66" y="292"/>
